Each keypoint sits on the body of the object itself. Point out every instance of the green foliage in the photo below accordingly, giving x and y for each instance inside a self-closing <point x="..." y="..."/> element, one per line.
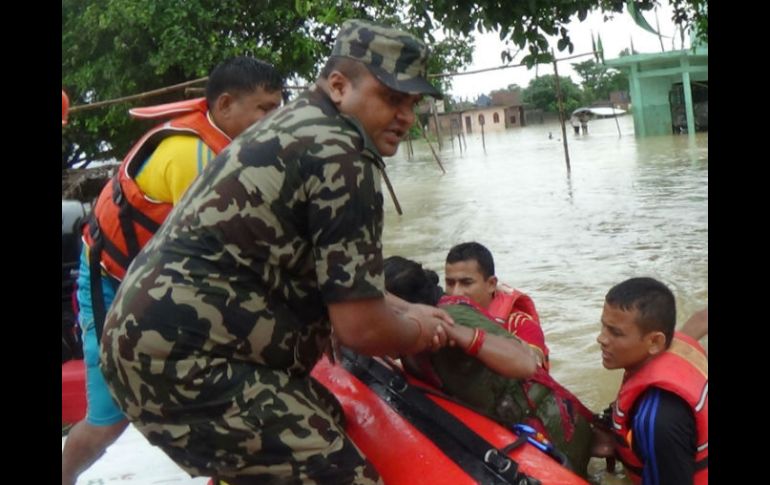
<point x="541" y="93"/>
<point x="527" y="23"/>
<point x="524" y="23"/>
<point x="459" y="104"/>
<point x="625" y="52"/>
<point x="692" y="14"/>
<point x="599" y="81"/>
<point x="115" y="48"/>
<point x="509" y="89"/>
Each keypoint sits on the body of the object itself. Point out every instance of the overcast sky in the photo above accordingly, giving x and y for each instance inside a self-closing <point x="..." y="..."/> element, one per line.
<point x="616" y="35"/>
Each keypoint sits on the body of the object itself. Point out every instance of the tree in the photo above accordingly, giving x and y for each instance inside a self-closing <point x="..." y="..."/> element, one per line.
<point x="459" y="104"/>
<point x="526" y="24"/>
<point x="692" y="14"/>
<point x="541" y="93"/>
<point x="599" y="81"/>
<point x="113" y="48"/>
<point x="506" y="97"/>
<point x="136" y="46"/>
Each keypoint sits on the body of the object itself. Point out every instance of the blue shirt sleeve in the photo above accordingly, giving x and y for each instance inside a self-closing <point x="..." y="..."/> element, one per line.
<point x="664" y="437"/>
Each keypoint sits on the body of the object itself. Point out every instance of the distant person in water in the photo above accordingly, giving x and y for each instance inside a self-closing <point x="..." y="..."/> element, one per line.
<point x="491" y="370"/>
<point x="575" y="122"/>
<point x="584" y="117"/>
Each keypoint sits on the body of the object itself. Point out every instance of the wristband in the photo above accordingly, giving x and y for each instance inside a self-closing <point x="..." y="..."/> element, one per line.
<point x="476" y="342"/>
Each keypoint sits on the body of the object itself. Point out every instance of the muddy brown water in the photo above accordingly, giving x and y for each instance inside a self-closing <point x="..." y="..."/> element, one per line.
<point x="630" y="207"/>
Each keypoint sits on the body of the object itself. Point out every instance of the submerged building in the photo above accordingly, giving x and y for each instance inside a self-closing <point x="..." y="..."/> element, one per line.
<point x="669" y="90"/>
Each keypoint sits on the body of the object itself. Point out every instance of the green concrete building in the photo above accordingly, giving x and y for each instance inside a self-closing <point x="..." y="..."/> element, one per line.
<point x="669" y="90"/>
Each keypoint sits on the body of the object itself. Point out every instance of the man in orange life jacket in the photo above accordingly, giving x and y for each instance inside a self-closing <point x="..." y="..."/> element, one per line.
<point x="470" y="271"/>
<point x="149" y="182"/>
<point x="659" y="421"/>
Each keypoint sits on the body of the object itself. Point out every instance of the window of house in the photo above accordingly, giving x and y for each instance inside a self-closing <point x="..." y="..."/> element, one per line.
<point x="496" y="118"/>
<point x="481" y="119"/>
<point x="513" y="119"/>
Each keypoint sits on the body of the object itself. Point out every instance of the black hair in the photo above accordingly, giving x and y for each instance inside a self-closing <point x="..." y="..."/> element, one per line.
<point x="653" y="301"/>
<point x="473" y="251"/>
<point x="409" y="281"/>
<point x="239" y="75"/>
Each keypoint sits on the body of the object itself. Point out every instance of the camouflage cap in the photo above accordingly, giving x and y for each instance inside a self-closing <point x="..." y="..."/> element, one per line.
<point x="395" y="57"/>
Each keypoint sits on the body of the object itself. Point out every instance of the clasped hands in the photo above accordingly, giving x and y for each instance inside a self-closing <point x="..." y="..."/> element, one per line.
<point x="436" y="328"/>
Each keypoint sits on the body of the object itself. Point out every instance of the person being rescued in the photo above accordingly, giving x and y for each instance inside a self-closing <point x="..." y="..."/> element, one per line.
<point x="490" y="370"/>
<point x="470" y="272"/>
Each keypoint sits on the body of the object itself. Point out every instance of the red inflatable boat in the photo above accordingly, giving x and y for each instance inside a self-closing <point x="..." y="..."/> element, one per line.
<point x="412" y="435"/>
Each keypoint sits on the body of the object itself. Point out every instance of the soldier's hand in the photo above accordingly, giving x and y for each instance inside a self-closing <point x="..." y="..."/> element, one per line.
<point x="432" y="323"/>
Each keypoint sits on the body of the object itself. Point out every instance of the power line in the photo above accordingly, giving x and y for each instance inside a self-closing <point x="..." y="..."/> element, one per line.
<point x="507" y="66"/>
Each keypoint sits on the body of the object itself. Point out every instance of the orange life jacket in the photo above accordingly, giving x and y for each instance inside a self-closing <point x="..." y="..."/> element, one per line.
<point x="124" y="219"/>
<point x="65" y="107"/>
<point x="508" y="300"/>
<point x="682" y="370"/>
<point x="509" y="306"/>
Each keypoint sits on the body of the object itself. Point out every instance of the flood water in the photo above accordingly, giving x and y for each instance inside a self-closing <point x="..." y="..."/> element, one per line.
<point x="631" y="207"/>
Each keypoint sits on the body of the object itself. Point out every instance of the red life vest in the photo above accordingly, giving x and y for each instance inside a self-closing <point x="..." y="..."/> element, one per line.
<point x="508" y="300"/>
<point x="509" y="307"/>
<point x="682" y="370"/>
<point x="65" y="107"/>
<point x="124" y="219"/>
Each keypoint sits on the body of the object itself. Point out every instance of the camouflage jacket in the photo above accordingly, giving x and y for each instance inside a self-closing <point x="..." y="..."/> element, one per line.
<point x="284" y="221"/>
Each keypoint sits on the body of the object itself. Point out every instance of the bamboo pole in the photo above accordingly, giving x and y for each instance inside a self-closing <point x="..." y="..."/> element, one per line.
<point x="147" y="94"/>
<point x="431" y="147"/>
<point x="561" y="114"/>
<point x="450" y="74"/>
<point x="483" y="142"/>
<point x="409" y="150"/>
<point x="167" y="89"/>
<point x="392" y="192"/>
<point x="435" y="121"/>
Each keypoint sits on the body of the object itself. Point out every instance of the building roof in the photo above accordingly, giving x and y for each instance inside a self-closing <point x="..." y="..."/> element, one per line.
<point x="658" y="60"/>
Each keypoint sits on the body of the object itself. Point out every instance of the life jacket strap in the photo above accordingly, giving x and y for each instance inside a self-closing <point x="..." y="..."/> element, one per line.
<point x="95" y="277"/>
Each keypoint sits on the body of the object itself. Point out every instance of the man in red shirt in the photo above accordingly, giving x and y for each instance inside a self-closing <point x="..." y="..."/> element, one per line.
<point x="470" y="272"/>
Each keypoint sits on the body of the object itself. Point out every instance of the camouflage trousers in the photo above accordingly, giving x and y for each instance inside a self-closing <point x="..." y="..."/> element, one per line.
<point x="277" y="430"/>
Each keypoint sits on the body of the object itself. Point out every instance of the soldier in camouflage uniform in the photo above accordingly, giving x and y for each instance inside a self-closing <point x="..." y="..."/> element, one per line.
<point x="221" y="317"/>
